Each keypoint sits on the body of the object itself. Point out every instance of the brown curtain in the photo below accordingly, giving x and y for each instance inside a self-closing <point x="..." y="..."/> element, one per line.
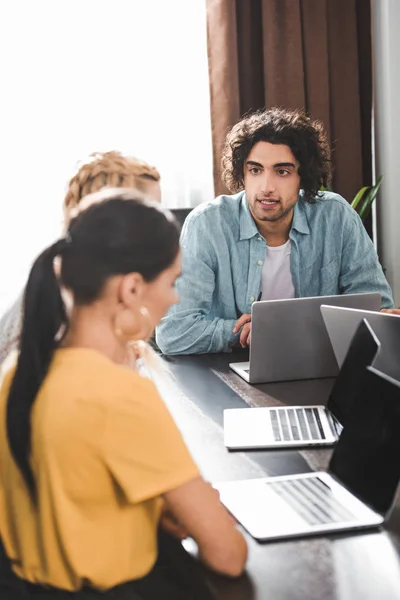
<point x="312" y="54"/>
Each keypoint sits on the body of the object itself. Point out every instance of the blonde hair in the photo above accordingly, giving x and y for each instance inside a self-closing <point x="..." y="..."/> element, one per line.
<point x="107" y="169"/>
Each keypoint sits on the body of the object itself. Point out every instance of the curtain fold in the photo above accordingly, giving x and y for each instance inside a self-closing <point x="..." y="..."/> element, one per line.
<point x="222" y="44"/>
<point x="311" y="54"/>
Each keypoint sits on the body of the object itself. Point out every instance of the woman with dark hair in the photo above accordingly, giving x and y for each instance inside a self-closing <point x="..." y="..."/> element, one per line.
<point x="92" y="461"/>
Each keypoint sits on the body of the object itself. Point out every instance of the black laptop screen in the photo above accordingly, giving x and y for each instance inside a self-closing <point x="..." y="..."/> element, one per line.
<point x="361" y="353"/>
<point x="366" y="458"/>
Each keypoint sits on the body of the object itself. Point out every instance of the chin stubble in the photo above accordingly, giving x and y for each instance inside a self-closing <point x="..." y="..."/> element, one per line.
<point x="277" y="217"/>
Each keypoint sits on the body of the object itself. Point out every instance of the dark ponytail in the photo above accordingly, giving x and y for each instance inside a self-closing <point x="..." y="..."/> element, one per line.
<point x="118" y="233"/>
<point x="44" y="316"/>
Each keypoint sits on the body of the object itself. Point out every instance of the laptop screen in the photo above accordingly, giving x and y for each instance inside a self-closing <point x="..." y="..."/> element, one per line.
<point x="366" y="458"/>
<point x="361" y="353"/>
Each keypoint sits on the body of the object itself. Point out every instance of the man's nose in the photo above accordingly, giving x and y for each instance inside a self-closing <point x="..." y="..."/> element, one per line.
<point x="268" y="184"/>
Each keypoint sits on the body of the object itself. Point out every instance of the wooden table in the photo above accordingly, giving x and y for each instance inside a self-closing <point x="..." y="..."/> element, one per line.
<point x="336" y="567"/>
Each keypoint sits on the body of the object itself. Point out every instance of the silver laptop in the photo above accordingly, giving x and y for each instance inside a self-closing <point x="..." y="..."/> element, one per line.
<point x="289" y="339"/>
<point x="284" y="426"/>
<point x="341" y="324"/>
<point x="357" y="491"/>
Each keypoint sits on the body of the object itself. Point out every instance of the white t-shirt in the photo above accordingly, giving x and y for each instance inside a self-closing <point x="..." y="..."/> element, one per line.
<point x="276" y="278"/>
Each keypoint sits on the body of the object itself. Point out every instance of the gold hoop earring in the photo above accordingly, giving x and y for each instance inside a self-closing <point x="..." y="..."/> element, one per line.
<point x="147" y="325"/>
<point x="131" y="327"/>
<point x="125" y="325"/>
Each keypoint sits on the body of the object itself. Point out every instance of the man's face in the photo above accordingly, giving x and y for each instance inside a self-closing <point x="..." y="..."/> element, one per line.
<point x="271" y="181"/>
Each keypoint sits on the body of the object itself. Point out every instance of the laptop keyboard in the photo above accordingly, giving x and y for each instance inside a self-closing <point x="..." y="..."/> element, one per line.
<point x="296" y="424"/>
<point x="312" y="500"/>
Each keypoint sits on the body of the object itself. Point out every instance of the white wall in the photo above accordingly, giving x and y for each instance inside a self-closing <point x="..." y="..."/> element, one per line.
<point x="386" y="56"/>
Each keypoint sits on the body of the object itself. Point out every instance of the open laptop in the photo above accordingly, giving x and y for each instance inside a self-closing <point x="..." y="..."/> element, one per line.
<point x="357" y="491"/>
<point x="289" y="339"/>
<point x="341" y="324"/>
<point x="285" y="426"/>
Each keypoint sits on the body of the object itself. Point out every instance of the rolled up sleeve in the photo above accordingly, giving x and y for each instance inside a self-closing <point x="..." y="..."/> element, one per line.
<point x="190" y="327"/>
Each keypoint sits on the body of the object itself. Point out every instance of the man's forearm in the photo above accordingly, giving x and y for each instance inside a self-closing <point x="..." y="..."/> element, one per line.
<point x="195" y="334"/>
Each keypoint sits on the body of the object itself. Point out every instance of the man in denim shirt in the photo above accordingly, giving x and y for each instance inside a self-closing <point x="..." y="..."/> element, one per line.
<point x="279" y="238"/>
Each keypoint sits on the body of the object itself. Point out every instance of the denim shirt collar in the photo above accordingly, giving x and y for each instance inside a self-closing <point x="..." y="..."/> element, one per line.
<point x="248" y="227"/>
<point x="300" y="220"/>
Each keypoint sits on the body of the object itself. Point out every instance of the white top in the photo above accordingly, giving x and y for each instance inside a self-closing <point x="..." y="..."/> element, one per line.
<point x="10" y="329"/>
<point x="276" y="278"/>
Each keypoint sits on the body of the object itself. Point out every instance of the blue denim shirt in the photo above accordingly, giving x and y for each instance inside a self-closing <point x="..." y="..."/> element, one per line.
<point x="223" y="255"/>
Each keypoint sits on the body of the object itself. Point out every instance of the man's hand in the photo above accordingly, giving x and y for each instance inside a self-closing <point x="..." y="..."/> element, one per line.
<point x="244" y="323"/>
<point x="392" y="311"/>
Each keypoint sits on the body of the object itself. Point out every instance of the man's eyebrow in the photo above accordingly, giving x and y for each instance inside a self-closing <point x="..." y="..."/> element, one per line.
<point x="284" y="164"/>
<point x="253" y="163"/>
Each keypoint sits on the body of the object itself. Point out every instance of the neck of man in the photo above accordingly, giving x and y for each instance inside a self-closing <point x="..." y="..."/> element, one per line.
<point x="276" y="233"/>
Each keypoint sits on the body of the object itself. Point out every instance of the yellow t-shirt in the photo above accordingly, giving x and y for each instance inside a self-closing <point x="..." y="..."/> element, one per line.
<point x="104" y="448"/>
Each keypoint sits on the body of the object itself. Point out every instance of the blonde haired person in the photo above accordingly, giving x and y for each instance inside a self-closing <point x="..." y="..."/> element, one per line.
<point x="111" y="169"/>
<point x="90" y="454"/>
<point x="97" y="171"/>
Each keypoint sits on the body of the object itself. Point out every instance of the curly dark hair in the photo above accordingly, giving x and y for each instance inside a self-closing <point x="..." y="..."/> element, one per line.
<point x="294" y="128"/>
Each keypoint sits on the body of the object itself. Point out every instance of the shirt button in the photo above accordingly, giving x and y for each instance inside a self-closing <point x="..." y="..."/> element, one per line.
<point x="260" y="262"/>
<point x="251" y="298"/>
<point x="260" y="239"/>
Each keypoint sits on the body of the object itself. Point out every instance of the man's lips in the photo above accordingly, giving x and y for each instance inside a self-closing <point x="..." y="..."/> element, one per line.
<point x="268" y="201"/>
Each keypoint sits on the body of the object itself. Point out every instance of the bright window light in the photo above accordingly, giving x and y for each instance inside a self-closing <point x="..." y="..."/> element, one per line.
<point x="78" y="76"/>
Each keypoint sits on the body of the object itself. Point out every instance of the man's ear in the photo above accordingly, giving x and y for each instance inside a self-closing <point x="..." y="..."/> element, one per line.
<point x="131" y="289"/>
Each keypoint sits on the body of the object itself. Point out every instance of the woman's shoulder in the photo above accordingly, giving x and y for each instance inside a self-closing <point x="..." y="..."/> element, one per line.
<point x="101" y="380"/>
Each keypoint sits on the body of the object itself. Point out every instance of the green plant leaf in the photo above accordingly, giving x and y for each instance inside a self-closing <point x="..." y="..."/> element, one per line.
<point x="368" y="200"/>
<point x="358" y="197"/>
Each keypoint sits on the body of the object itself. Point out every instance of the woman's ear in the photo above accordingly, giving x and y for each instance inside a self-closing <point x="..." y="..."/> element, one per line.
<point x="131" y="290"/>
